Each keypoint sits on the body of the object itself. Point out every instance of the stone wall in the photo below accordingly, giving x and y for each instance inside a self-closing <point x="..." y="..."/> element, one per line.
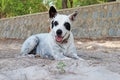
<point x="95" y="21"/>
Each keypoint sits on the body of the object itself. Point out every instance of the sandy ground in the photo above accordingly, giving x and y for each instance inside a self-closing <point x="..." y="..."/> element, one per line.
<point x="101" y="62"/>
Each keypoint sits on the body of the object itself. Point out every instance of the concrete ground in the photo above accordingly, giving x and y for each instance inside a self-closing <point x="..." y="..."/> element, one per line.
<point x="101" y="62"/>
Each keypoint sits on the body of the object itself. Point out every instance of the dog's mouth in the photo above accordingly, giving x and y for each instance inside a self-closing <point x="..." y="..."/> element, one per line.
<point x="59" y="38"/>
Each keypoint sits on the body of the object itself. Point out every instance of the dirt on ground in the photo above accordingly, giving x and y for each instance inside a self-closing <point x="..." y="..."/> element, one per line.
<point x="101" y="62"/>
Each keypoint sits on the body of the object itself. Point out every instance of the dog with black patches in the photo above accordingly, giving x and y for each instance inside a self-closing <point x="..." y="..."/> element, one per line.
<point x="58" y="44"/>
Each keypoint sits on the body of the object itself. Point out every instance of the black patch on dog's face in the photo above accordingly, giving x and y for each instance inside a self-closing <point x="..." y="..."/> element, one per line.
<point x="54" y="23"/>
<point x="67" y="26"/>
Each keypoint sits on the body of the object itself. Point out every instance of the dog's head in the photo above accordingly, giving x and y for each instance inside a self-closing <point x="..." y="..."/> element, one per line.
<point x="61" y="24"/>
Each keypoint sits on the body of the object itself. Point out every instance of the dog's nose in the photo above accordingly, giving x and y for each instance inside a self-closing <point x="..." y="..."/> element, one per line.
<point x="59" y="32"/>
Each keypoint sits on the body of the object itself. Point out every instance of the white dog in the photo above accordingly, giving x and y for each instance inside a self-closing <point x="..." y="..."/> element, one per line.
<point x="58" y="44"/>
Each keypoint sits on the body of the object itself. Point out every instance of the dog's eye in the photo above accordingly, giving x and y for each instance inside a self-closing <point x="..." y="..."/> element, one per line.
<point x="67" y="26"/>
<point x="55" y="23"/>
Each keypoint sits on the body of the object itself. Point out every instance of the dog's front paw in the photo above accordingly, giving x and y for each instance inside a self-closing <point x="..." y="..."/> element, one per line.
<point x="66" y="58"/>
<point x="62" y="58"/>
<point x="78" y="58"/>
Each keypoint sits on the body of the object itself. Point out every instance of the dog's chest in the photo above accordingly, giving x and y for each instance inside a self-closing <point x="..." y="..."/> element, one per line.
<point x="48" y="45"/>
<point x="61" y="48"/>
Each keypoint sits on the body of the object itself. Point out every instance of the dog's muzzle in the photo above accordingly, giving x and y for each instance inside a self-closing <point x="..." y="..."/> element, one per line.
<point x="58" y="36"/>
<point x="61" y="39"/>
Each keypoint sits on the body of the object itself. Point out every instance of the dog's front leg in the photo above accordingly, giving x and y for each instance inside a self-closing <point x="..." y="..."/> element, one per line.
<point x="58" y="55"/>
<point x="72" y="52"/>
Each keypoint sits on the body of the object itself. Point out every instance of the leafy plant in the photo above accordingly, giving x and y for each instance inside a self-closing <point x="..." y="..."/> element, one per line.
<point x="9" y="8"/>
<point x="87" y="2"/>
<point x="3" y="6"/>
<point x="61" y="65"/>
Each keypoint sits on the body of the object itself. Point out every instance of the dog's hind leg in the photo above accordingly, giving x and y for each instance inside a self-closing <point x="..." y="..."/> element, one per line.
<point x="29" y="45"/>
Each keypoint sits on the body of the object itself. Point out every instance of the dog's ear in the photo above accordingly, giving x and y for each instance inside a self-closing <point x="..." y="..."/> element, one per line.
<point x="52" y="12"/>
<point x="73" y="16"/>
